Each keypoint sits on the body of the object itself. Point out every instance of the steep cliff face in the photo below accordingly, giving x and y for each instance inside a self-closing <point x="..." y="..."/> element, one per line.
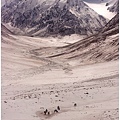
<point x="52" y="17"/>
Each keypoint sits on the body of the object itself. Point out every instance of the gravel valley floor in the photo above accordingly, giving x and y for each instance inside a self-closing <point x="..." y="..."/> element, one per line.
<point x="30" y="86"/>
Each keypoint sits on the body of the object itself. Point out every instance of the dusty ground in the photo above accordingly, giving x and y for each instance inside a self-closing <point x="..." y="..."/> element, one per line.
<point x="29" y="86"/>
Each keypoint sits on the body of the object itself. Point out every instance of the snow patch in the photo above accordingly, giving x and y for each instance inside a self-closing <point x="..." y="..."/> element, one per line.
<point x="101" y="9"/>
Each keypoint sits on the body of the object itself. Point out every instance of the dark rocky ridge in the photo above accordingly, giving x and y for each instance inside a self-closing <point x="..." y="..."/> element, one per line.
<point x="59" y="17"/>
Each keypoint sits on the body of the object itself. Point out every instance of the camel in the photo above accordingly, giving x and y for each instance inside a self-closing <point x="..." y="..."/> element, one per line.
<point x="48" y="113"/>
<point x="55" y="111"/>
<point x="45" y="111"/>
<point x="75" y="105"/>
<point x="58" y="107"/>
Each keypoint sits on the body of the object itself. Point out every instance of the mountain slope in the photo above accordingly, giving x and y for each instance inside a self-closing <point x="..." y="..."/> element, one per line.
<point x="52" y="17"/>
<point x="100" y="47"/>
<point x="4" y="30"/>
<point x="114" y="7"/>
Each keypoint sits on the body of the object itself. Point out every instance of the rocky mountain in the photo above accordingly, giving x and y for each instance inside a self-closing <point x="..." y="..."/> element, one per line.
<point x="100" y="47"/>
<point x="51" y="17"/>
<point x="96" y="1"/>
<point x="114" y="7"/>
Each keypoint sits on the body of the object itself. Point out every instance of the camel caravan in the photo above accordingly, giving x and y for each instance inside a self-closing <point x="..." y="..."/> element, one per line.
<point x="46" y="112"/>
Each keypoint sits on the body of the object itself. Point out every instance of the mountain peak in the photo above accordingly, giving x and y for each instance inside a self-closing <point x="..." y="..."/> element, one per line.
<point x="52" y="17"/>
